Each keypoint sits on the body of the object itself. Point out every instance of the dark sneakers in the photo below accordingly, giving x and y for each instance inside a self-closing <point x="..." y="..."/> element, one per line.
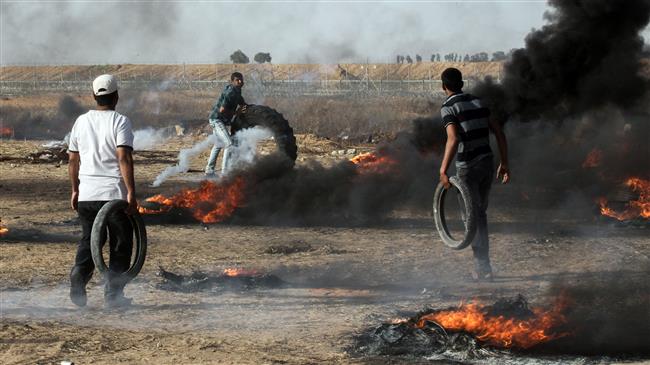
<point x="78" y="287"/>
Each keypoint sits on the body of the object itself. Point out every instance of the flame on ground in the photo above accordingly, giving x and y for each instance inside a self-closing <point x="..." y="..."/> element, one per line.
<point x="210" y="203"/>
<point x="499" y="331"/>
<point x="593" y="159"/>
<point x="634" y="209"/>
<point x="240" y="272"/>
<point x="6" y="132"/>
<point x="370" y="162"/>
<point x="3" y="230"/>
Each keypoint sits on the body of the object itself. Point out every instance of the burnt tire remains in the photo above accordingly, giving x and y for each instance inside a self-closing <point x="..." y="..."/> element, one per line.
<point x="96" y="242"/>
<point x="264" y="116"/>
<point x="467" y="212"/>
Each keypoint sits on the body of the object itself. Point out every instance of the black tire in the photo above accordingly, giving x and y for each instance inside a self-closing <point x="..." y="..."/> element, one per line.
<point x="99" y="225"/>
<point x="468" y="214"/>
<point x="263" y="116"/>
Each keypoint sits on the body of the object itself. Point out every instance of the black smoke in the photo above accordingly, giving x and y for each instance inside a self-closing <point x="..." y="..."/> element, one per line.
<point x="52" y="125"/>
<point x="278" y="193"/>
<point x="607" y="314"/>
<point x="575" y="87"/>
<point x="586" y="57"/>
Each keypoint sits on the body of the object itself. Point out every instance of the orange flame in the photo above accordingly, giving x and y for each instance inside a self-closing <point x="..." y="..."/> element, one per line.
<point x="6" y="132"/>
<point x="593" y="159"/>
<point x="210" y="203"/>
<point x="3" y="230"/>
<point x="499" y="331"/>
<point x="239" y="272"/>
<point x="635" y="208"/>
<point x="370" y="162"/>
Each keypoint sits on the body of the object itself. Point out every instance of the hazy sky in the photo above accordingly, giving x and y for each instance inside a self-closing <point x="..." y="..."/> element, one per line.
<point x="103" y="32"/>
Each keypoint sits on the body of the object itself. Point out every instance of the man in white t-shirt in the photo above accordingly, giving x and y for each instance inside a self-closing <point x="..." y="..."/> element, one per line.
<point x="101" y="170"/>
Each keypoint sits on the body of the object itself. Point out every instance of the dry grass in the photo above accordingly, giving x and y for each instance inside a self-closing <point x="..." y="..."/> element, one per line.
<point x="339" y="118"/>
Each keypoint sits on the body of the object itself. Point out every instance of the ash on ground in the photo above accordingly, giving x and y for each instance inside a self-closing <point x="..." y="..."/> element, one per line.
<point x="218" y="282"/>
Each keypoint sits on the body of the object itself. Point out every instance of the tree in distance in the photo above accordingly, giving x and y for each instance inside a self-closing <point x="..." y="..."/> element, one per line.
<point x="239" y="57"/>
<point x="261" y="57"/>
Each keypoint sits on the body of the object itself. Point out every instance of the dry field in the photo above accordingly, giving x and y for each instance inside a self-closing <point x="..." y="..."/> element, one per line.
<point x="350" y="278"/>
<point x="343" y="278"/>
<point x="419" y="71"/>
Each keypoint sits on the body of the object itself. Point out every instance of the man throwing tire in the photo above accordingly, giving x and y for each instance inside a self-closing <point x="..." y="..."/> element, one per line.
<point x="220" y="118"/>
<point x="468" y="125"/>
<point x="101" y="170"/>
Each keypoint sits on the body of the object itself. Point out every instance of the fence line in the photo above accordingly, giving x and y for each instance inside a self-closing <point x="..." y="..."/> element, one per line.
<point x="288" y="87"/>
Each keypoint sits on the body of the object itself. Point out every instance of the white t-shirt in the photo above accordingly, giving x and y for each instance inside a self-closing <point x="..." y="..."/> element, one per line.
<point x="96" y="136"/>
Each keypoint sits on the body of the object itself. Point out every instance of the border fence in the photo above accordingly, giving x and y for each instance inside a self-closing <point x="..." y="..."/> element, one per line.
<point x="267" y="87"/>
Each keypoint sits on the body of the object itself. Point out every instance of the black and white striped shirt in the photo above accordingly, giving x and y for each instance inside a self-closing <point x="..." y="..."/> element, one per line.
<point x="471" y="118"/>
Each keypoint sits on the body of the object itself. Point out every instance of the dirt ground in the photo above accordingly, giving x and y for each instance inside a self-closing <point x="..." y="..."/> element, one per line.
<point x="350" y="279"/>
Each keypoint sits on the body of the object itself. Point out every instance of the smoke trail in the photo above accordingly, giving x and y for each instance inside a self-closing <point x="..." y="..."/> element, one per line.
<point x="243" y="152"/>
<point x="184" y="157"/>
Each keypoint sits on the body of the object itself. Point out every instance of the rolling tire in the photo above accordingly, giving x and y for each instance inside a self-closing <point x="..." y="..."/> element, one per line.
<point x="264" y="116"/>
<point x="469" y="216"/>
<point x="99" y="225"/>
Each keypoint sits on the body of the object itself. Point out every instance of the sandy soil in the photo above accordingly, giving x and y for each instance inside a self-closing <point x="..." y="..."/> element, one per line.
<point x="353" y="278"/>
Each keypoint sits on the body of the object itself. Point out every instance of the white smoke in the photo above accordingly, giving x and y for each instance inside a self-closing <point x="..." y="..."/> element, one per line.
<point x="184" y="157"/>
<point x="242" y="152"/>
<point x="144" y="139"/>
<point x="245" y="149"/>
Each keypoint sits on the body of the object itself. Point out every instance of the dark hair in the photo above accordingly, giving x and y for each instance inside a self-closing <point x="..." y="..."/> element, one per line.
<point x="452" y="79"/>
<point x="236" y="75"/>
<point x="106" y="100"/>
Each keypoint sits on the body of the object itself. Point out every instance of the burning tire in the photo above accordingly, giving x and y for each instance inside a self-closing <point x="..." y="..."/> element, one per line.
<point x="96" y="243"/>
<point x="263" y="116"/>
<point x="467" y="213"/>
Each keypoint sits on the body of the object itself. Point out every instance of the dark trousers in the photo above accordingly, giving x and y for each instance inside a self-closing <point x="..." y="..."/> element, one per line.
<point x="479" y="179"/>
<point x="120" y="233"/>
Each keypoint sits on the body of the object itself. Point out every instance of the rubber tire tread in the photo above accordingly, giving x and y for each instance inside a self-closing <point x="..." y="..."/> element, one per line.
<point x="264" y="116"/>
<point x="439" y="214"/>
<point x="139" y="228"/>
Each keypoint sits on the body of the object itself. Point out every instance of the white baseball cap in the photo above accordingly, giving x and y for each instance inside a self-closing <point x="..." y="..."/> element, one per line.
<point x="104" y="84"/>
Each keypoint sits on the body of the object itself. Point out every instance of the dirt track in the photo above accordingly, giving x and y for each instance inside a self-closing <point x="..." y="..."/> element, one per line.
<point x="352" y="278"/>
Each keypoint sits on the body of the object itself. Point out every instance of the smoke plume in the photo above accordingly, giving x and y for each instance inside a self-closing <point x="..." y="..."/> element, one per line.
<point x="147" y="138"/>
<point x="607" y="315"/>
<point x="586" y="57"/>
<point x="184" y="157"/>
<point x="242" y="152"/>
<point x="582" y="68"/>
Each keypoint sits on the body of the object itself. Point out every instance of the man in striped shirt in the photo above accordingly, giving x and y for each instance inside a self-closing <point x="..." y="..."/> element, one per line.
<point x="468" y="125"/>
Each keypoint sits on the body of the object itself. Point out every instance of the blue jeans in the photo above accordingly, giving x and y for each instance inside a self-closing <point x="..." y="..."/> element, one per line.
<point x="479" y="179"/>
<point x="223" y="141"/>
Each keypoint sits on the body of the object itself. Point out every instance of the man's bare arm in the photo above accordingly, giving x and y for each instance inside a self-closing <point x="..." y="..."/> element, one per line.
<point x="73" y="173"/>
<point x="125" y="159"/>
<point x="503" y="171"/>
<point x="450" y="151"/>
